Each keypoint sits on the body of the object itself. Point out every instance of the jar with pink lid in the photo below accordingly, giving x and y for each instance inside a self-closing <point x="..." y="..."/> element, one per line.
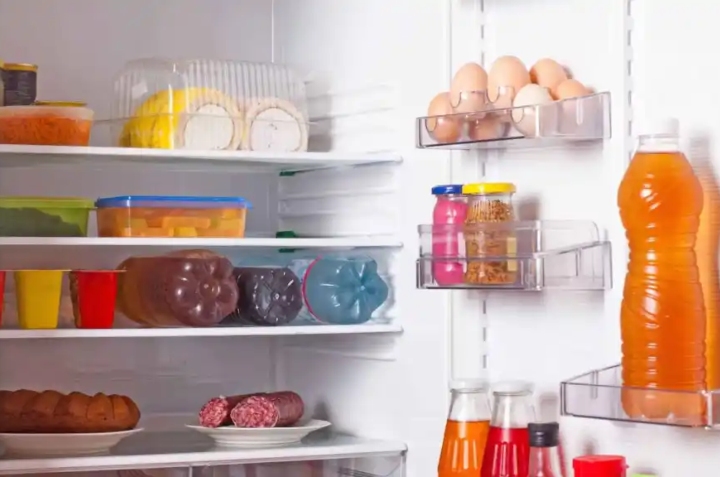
<point x="448" y="217"/>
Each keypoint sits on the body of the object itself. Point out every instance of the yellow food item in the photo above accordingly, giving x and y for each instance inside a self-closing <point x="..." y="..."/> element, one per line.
<point x="169" y="222"/>
<point x="162" y="121"/>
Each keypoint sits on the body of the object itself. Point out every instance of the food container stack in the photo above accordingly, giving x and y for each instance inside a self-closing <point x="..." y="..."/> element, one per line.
<point x="210" y="105"/>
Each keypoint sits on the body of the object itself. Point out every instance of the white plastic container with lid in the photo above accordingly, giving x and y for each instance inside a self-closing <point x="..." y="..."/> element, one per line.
<point x="210" y="105"/>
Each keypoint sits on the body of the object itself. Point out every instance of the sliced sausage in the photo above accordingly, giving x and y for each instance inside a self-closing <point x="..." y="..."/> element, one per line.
<point x="216" y="412"/>
<point x="279" y="409"/>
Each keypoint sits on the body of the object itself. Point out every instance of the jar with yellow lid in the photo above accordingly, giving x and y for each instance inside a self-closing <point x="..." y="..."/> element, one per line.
<point x="488" y="247"/>
<point x="61" y="104"/>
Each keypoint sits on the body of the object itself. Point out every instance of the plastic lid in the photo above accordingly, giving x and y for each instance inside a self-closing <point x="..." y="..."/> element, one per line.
<point x="46" y="202"/>
<point x="486" y="188"/>
<point x="468" y="384"/>
<point x="447" y="189"/>
<point x="513" y="388"/>
<point x="198" y="201"/>
<point x="660" y="127"/>
<point x="599" y="466"/>
<point x="544" y="434"/>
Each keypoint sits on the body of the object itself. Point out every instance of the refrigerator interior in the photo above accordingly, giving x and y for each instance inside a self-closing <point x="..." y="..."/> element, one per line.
<point x="361" y="99"/>
<point x="374" y="65"/>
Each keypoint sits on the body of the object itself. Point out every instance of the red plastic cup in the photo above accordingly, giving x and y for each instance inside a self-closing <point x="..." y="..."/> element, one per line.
<point x="96" y="293"/>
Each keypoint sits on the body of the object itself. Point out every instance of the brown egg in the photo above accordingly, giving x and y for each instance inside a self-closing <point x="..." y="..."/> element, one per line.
<point x="442" y="129"/>
<point x="486" y="129"/>
<point x="570" y="88"/>
<point x="548" y="74"/>
<point x="468" y="89"/>
<point x="507" y="71"/>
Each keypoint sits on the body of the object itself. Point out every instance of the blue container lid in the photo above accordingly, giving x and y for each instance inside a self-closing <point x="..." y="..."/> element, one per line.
<point x="197" y="202"/>
<point x="447" y="189"/>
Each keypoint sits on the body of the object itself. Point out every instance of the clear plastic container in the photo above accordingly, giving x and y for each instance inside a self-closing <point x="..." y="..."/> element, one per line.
<point x="490" y="202"/>
<point x="210" y="105"/>
<point x="41" y="125"/>
<point x="38" y="298"/>
<point x="44" y="216"/>
<point x="171" y="216"/>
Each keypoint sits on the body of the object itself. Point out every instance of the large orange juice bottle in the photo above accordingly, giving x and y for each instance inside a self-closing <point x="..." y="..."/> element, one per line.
<point x="663" y="313"/>
<point x="466" y="430"/>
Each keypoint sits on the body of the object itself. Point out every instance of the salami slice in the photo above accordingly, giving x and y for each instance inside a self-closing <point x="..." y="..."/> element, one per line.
<point x="279" y="409"/>
<point x="216" y="412"/>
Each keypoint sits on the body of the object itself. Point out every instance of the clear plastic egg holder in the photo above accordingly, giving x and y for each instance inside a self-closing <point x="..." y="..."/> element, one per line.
<point x="479" y="122"/>
<point x="209" y="104"/>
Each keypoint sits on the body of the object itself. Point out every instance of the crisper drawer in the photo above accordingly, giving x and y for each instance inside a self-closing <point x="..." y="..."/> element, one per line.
<point x="387" y="466"/>
<point x="378" y="466"/>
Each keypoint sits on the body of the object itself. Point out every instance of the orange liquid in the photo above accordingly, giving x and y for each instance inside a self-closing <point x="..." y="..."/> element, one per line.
<point x="706" y="249"/>
<point x="463" y="448"/>
<point x="663" y="314"/>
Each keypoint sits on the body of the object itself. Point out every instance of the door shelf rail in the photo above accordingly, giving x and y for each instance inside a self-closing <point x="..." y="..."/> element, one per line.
<point x="520" y="255"/>
<point x="600" y="394"/>
<point x="573" y="120"/>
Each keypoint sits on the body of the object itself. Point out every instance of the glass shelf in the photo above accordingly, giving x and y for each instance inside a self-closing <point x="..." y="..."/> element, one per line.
<point x="523" y="255"/>
<point x="569" y="121"/>
<point x="600" y="394"/>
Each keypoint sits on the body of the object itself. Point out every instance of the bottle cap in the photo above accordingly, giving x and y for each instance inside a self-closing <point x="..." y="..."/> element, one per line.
<point x="660" y="127"/>
<point x="468" y="384"/>
<point x="447" y="189"/>
<point x="544" y="434"/>
<point x="599" y="466"/>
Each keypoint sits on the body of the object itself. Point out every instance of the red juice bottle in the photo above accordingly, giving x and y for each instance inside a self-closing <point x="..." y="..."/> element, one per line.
<point x="507" y="453"/>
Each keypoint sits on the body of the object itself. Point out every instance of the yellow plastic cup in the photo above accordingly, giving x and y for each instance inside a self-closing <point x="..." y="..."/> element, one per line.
<point x="38" y="298"/>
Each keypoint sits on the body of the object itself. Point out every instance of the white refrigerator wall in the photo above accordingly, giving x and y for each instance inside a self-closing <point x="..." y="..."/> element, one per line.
<point x="384" y="61"/>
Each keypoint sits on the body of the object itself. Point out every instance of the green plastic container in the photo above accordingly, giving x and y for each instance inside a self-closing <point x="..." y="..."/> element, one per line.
<point x="44" y="216"/>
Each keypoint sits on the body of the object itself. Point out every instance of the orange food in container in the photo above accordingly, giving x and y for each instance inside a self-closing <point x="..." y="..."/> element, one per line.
<point x="172" y="216"/>
<point x="46" y="124"/>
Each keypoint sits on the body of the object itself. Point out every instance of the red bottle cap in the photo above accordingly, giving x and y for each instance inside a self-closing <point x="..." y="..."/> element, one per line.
<point x="599" y="466"/>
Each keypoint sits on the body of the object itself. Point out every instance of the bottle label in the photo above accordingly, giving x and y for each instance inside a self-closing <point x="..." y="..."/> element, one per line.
<point x="301" y="267"/>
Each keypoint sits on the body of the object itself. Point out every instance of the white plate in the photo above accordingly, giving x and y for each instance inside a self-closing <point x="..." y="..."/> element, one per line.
<point x="230" y="436"/>
<point x="70" y="444"/>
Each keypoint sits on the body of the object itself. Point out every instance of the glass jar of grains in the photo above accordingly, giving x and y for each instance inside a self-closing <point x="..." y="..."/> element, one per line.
<point x="487" y="238"/>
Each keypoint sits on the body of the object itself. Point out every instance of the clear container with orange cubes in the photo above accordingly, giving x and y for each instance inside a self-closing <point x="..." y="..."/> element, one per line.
<point x="171" y="216"/>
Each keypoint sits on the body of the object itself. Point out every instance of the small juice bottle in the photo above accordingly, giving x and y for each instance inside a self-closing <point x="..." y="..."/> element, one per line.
<point x="466" y="430"/>
<point x="507" y="453"/>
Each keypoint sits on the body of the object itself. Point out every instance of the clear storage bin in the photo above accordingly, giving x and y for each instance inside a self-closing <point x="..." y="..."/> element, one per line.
<point x="44" y="216"/>
<point x="46" y="125"/>
<point x="170" y="216"/>
<point x="210" y="105"/>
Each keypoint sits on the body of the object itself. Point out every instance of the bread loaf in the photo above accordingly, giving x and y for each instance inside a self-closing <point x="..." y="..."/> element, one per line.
<point x="25" y="411"/>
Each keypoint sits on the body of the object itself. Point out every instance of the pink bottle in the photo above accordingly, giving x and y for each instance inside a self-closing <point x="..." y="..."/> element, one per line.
<point x="448" y="217"/>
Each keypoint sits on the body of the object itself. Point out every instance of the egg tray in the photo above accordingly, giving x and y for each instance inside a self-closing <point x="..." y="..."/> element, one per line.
<point x="496" y="126"/>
